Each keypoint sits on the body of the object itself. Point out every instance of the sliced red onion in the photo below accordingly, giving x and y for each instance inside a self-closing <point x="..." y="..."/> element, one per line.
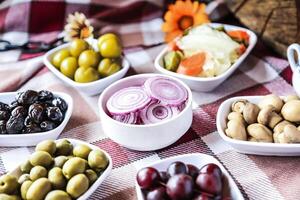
<point x="156" y="112"/>
<point x="181" y="107"/>
<point x="130" y="118"/>
<point x="127" y="100"/>
<point x="166" y="90"/>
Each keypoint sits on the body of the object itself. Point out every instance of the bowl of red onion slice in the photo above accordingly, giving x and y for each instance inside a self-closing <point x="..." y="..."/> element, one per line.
<point x="146" y="112"/>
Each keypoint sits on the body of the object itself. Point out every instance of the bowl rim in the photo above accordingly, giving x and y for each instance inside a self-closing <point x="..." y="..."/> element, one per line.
<point x="232" y="68"/>
<point x="146" y="75"/>
<point x="46" y="59"/>
<point x="68" y="113"/>
<point x="222" y="109"/>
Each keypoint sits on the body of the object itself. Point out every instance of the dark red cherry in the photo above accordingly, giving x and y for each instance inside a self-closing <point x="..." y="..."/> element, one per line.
<point x="211" y="168"/>
<point x="177" y="168"/>
<point x="180" y="187"/>
<point x="148" y="178"/>
<point x="209" y="183"/>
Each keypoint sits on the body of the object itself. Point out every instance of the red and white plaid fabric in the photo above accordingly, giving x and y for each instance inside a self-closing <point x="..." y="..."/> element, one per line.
<point x="138" y="23"/>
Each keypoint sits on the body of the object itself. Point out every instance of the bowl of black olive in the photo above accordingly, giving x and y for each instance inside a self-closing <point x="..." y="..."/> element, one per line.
<point x="28" y="117"/>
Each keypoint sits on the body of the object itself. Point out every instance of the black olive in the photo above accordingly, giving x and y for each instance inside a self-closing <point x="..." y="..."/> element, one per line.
<point x="3" y="127"/>
<point x="45" y="95"/>
<point x="19" y="110"/>
<point x="36" y="112"/>
<point x="4" y="106"/>
<point x="54" y="114"/>
<point x="28" y="97"/>
<point x="33" y="128"/>
<point x="28" y="121"/>
<point x="13" y="104"/>
<point x="59" y="102"/>
<point x="15" y="124"/>
<point x="4" y="115"/>
<point x="48" y="125"/>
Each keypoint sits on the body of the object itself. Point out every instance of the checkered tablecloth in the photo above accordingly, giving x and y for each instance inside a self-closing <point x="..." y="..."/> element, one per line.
<point x="258" y="177"/>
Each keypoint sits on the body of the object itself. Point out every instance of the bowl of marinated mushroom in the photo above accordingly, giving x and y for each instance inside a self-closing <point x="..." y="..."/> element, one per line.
<point x="262" y="125"/>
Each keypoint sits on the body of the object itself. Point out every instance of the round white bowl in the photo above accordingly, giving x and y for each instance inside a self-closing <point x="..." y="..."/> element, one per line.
<point x="206" y="84"/>
<point x="30" y="139"/>
<point x="91" y="88"/>
<point x="144" y="137"/>
<point x="256" y="148"/>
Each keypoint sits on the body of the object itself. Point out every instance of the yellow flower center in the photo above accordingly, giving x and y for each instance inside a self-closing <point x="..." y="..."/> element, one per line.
<point x="185" y="22"/>
<point x="84" y="32"/>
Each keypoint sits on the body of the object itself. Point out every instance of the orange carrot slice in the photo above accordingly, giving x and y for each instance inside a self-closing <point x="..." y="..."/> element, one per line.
<point x="242" y="48"/>
<point x="239" y="35"/>
<point x="192" y="65"/>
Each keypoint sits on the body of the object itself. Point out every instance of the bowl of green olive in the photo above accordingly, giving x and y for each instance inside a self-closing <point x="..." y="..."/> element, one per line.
<point x="62" y="169"/>
<point x="88" y="68"/>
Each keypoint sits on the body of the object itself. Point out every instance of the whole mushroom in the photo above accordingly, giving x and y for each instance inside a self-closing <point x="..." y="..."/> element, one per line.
<point x="272" y="100"/>
<point x="239" y="105"/>
<point x="236" y="130"/>
<point x="291" y="111"/>
<point x="260" y="132"/>
<point x="290" y="134"/>
<point x="278" y="129"/>
<point x="267" y="116"/>
<point x="250" y="113"/>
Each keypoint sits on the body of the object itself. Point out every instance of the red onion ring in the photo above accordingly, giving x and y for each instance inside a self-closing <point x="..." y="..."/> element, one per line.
<point x="166" y="90"/>
<point x="130" y="118"/>
<point x="156" y="112"/>
<point x="127" y="100"/>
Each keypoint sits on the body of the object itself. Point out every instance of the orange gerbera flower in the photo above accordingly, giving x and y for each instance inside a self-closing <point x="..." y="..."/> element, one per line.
<point x="182" y="15"/>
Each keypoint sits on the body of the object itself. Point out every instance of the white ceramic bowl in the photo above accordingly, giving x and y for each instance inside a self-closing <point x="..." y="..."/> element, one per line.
<point x="199" y="160"/>
<point x="17" y="172"/>
<point x="91" y="88"/>
<point x="31" y="139"/>
<point x="144" y="137"/>
<point x="258" y="148"/>
<point x="202" y="84"/>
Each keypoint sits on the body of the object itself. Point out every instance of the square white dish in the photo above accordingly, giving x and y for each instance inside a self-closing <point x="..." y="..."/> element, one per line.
<point x="257" y="148"/>
<point x="91" y="88"/>
<point x="17" y="172"/>
<point x="199" y="160"/>
<point x="31" y="139"/>
<point x="202" y="84"/>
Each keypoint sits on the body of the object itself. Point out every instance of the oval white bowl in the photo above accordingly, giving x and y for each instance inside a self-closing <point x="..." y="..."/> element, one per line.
<point x="91" y="88"/>
<point x="17" y="172"/>
<point x="199" y="160"/>
<point x="31" y="139"/>
<point x="144" y="137"/>
<point x="258" y="148"/>
<point x="202" y="84"/>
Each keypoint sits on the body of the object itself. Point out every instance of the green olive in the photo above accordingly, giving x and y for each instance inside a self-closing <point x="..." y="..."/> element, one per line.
<point x="46" y="145"/>
<point x="82" y="151"/>
<point x="9" y="197"/>
<point x="91" y="175"/>
<point x="23" y="178"/>
<point x="85" y="75"/>
<point x="57" y="179"/>
<point x="107" y="67"/>
<point x="172" y="60"/>
<point x="26" y="166"/>
<point x="89" y="58"/>
<point x="24" y="188"/>
<point x="109" y="46"/>
<point x="77" y="46"/>
<point x="69" y="66"/>
<point x="8" y="184"/>
<point x="38" y="189"/>
<point x="38" y="172"/>
<point x="74" y="166"/>
<point x="64" y="148"/>
<point x="59" y="161"/>
<point x="41" y="158"/>
<point x="77" y="185"/>
<point x="58" y="195"/>
<point x="59" y="57"/>
<point x="97" y="160"/>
